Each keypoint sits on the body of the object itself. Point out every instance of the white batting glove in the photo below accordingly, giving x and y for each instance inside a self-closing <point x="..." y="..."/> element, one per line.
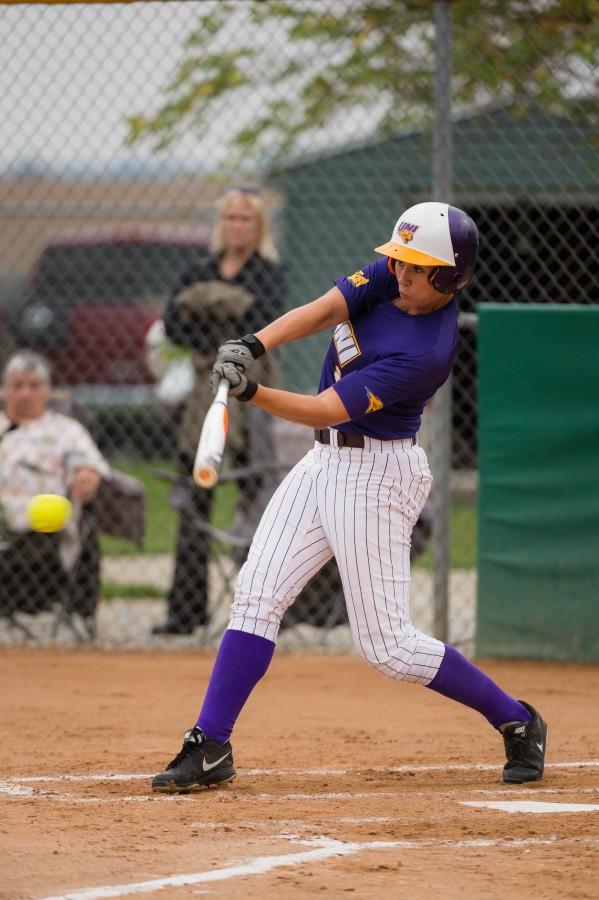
<point x="241" y="352"/>
<point x="240" y="386"/>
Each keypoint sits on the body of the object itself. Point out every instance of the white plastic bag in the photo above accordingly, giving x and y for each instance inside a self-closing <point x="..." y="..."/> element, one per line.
<point x="176" y="383"/>
<point x="170" y="365"/>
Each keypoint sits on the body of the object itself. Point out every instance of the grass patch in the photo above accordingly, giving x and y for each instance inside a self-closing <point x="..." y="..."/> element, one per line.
<point x="111" y="591"/>
<point x="224" y="505"/>
<point x="161" y="519"/>
<point x="162" y="522"/>
<point x="462" y="546"/>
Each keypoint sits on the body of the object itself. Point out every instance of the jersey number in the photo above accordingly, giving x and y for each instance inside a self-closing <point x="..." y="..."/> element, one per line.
<point x="346" y="344"/>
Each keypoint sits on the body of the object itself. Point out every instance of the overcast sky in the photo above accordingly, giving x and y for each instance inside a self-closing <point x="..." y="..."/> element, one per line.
<point x="70" y="74"/>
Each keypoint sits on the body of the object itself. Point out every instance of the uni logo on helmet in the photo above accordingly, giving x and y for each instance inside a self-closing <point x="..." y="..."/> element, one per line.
<point x="406" y="231"/>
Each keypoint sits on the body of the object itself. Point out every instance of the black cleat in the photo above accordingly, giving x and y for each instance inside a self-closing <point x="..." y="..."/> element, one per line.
<point x="525" y="745"/>
<point x="201" y="763"/>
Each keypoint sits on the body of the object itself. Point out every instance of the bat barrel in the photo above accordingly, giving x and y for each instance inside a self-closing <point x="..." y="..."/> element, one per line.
<point x="211" y="446"/>
<point x="206" y="475"/>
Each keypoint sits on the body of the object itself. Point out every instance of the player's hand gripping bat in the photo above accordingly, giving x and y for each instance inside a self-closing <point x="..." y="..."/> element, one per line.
<point x="211" y="446"/>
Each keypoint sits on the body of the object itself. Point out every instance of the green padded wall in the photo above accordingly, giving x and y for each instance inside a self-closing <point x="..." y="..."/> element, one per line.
<point x="538" y="563"/>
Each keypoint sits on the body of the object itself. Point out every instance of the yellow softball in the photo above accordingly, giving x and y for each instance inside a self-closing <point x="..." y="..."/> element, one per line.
<point x="48" y="512"/>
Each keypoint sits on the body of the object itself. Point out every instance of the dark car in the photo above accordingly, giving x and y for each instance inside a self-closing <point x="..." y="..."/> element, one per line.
<point x="93" y="294"/>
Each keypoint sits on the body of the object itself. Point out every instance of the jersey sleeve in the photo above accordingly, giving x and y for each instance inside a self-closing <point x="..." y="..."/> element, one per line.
<point x="361" y="289"/>
<point x="391" y="380"/>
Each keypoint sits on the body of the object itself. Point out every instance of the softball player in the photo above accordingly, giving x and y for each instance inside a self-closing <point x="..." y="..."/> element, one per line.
<point x="357" y="494"/>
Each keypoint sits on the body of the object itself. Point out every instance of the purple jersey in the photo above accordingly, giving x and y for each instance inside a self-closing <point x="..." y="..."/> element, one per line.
<point x="385" y="364"/>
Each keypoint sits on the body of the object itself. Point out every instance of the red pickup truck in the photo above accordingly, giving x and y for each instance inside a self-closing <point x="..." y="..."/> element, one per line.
<point x="92" y="295"/>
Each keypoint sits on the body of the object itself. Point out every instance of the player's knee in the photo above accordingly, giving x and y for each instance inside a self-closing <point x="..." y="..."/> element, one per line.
<point x="265" y="611"/>
<point x="259" y="605"/>
<point x="398" y="664"/>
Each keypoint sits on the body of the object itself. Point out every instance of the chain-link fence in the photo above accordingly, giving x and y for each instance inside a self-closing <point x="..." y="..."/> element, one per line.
<point x="124" y="128"/>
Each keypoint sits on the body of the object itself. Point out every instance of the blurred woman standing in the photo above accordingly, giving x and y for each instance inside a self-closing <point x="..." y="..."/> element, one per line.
<point x="237" y="289"/>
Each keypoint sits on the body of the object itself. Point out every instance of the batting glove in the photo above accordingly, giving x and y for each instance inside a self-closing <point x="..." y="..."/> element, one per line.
<point x="242" y="352"/>
<point x="240" y="386"/>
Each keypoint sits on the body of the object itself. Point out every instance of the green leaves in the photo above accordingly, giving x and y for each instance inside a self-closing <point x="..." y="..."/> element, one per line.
<point x="322" y="57"/>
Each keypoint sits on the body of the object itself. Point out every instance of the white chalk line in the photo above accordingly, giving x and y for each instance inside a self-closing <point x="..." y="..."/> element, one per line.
<point x="461" y="767"/>
<point x="109" y="776"/>
<point x="509" y="806"/>
<point x="15" y="790"/>
<point x="301" y="824"/>
<point x="262" y="824"/>
<point x="16" y="786"/>
<point x="323" y="849"/>
<point x="24" y="791"/>
<point x="454" y="767"/>
<point x="531" y="806"/>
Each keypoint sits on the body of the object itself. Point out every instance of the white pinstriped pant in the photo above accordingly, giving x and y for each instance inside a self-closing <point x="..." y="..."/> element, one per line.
<point x="360" y="506"/>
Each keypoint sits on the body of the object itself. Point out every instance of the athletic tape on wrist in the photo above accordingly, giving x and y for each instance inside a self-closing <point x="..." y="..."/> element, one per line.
<point x="250" y="390"/>
<point x="254" y="345"/>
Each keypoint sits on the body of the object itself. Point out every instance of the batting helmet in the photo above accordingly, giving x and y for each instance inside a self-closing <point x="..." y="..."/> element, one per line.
<point x="435" y="234"/>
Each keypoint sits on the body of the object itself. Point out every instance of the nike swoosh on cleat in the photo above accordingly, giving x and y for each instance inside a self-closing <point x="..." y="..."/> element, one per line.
<point x="540" y="746"/>
<point x="207" y="766"/>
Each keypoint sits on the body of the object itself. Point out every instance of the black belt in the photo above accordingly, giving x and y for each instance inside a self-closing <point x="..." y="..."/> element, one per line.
<point x="323" y="436"/>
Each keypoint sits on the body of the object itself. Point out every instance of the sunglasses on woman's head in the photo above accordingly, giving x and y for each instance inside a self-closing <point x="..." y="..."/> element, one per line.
<point x="243" y="189"/>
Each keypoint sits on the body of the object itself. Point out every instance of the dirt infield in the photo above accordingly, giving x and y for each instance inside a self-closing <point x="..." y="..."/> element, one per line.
<point x="348" y="784"/>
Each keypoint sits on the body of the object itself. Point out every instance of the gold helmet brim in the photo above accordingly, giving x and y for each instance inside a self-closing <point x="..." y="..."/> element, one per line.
<point x="408" y="255"/>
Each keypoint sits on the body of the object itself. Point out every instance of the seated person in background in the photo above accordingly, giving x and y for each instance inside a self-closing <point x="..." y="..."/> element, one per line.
<point x="45" y="452"/>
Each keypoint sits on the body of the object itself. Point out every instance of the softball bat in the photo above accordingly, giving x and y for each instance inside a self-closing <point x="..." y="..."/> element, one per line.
<point x="211" y="445"/>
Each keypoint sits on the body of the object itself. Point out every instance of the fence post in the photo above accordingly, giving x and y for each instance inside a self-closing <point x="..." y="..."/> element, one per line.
<point x="441" y="405"/>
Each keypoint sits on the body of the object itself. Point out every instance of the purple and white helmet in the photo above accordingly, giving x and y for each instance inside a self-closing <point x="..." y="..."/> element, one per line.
<point x="439" y="235"/>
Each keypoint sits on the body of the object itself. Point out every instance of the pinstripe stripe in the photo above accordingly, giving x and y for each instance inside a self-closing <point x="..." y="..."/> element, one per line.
<point x="270" y="525"/>
<point x="265" y="602"/>
<point x="378" y="543"/>
<point x="301" y="576"/>
<point x="306" y="565"/>
<point x="356" y="572"/>
<point x="285" y="555"/>
<point x="404" y="621"/>
<point x="270" y="521"/>
<point x="322" y="508"/>
<point x="344" y="567"/>
<point x="344" y="570"/>
<point x="327" y="518"/>
<point x="410" y="492"/>
<point x="307" y="546"/>
<point x="366" y="518"/>
<point x="401" y="626"/>
<point x="398" y="611"/>
<point x="334" y="510"/>
<point x="363" y="615"/>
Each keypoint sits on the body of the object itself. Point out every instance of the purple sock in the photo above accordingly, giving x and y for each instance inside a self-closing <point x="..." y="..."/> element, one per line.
<point x="241" y="661"/>
<point x="459" y="680"/>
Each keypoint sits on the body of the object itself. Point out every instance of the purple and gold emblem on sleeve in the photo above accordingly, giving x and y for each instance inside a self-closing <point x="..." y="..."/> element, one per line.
<point x="358" y="278"/>
<point x="374" y="402"/>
